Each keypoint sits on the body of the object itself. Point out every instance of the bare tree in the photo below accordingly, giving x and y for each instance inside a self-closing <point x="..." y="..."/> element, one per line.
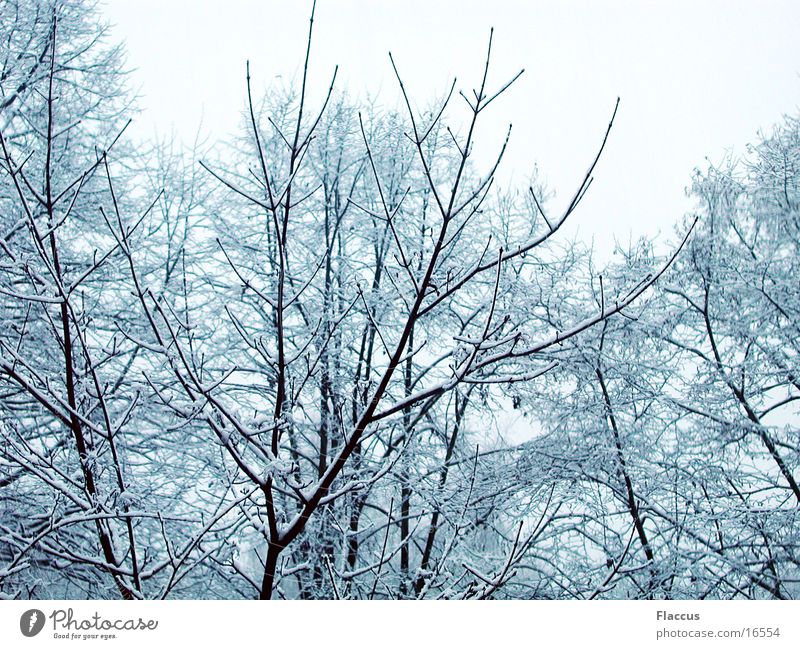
<point x="83" y="496"/>
<point x="273" y="368"/>
<point x="366" y="287"/>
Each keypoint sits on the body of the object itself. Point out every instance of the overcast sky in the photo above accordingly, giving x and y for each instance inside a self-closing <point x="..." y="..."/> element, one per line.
<point x="696" y="79"/>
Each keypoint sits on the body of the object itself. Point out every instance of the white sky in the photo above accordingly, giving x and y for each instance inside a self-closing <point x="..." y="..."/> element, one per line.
<point x="696" y="79"/>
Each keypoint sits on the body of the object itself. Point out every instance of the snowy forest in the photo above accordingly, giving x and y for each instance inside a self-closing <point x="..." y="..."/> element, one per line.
<point x="270" y="367"/>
